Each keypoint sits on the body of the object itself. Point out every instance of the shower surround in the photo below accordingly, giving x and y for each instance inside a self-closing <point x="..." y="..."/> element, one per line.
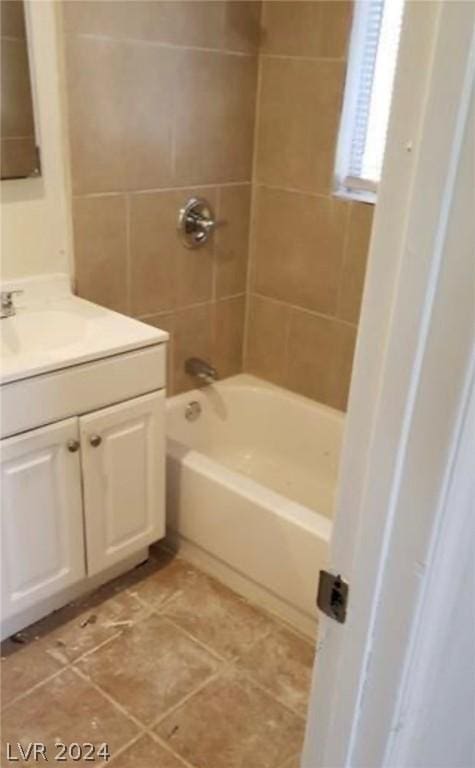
<point x="238" y="102"/>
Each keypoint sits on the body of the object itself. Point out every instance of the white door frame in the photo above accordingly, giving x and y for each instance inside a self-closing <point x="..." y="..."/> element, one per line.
<point x="409" y="389"/>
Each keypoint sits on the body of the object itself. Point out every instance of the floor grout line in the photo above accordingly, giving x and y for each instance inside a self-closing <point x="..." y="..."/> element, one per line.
<point x="166" y="746"/>
<point x="225" y="665"/>
<point x="87" y="679"/>
<point x="163" y="716"/>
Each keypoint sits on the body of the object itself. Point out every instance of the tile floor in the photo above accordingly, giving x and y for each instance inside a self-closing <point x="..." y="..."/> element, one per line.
<point x="167" y="666"/>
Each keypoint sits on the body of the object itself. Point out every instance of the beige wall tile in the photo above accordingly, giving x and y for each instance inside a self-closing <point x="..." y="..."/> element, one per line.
<point x="242" y="25"/>
<point x="228" y="333"/>
<point x="95" y="17"/>
<point x="152" y="246"/>
<point x="335" y="27"/>
<point x="195" y="23"/>
<point x="17" y="157"/>
<point x="298" y="248"/>
<point x="12" y="18"/>
<point x="100" y="250"/>
<point x="199" y="23"/>
<point x="165" y="274"/>
<point x="320" y="354"/>
<point x="214" y="117"/>
<point x="148" y="123"/>
<point x="193" y="338"/>
<point x="17" y="111"/>
<point x="232" y="240"/>
<point x="97" y="106"/>
<point x="166" y="322"/>
<point x="266" y="338"/>
<point x="299" y="109"/>
<point x="318" y="29"/>
<point x="354" y="264"/>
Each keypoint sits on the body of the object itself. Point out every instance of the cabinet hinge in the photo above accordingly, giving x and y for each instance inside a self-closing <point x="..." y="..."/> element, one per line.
<point x="332" y="597"/>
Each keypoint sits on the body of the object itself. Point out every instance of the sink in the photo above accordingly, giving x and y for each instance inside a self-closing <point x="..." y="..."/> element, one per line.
<point x="53" y="329"/>
<point x="45" y="331"/>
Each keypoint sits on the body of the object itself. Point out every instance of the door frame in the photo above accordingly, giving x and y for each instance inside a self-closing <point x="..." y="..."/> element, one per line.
<point x="411" y="382"/>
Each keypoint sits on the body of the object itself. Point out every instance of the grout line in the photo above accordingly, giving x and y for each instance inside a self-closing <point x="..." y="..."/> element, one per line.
<point x="160" y="44"/>
<point x="126" y="746"/>
<point x="296" y="191"/>
<point x="249" y="677"/>
<point x="208" y="649"/>
<point x="215" y="249"/>
<point x="97" y="647"/>
<point x="190" y="306"/>
<point x="128" y="274"/>
<point x="166" y="746"/>
<point x="185" y="699"/>
<point x="253" y="215"/>
<point x="110" y="699"/>
<point x="33" y="688"/>
<point x="297" y="57"/>
<point x="305" y="310"/>
<point x="157" y="190"/>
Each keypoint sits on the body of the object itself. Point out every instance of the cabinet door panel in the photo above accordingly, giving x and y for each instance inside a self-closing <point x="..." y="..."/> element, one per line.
<point x="42" y="526"/>
<point x="123" y="474"/>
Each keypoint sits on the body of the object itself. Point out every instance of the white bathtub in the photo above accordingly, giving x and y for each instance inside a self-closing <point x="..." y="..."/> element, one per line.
<point x="251" y="486"/>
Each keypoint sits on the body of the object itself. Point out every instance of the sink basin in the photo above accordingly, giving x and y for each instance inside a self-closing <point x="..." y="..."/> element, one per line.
<point x="52" y="333"/>
<point x="47" y="331"/>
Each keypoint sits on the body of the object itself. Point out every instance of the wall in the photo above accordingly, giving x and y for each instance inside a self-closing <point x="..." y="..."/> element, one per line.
<point x="308" y="250"/>
<point x="161" y="100"/>
<point x="35" y="235"/>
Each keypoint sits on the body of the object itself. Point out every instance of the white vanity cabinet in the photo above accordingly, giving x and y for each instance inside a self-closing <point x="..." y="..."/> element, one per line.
<point x="122" y="455"/>
<point x="82" y="451"/>
<point x="79" y="497"/>
<point x="42" y="524"/>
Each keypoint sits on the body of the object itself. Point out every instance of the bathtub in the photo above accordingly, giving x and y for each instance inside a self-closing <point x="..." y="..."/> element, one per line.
<point x="251" y="480"/>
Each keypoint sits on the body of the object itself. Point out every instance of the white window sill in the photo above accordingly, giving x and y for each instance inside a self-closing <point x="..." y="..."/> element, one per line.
<point x="358" y="195"/>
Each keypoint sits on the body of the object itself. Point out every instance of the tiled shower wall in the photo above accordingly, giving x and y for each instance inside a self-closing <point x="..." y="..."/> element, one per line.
<point x="161" y="105"/>
<point x="308" y="248"/>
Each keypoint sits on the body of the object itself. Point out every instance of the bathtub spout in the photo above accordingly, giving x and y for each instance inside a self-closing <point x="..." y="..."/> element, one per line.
<point x="200" y="369"/>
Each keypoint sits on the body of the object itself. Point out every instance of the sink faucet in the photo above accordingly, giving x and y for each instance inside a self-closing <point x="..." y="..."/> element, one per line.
<point x="202" y="370"/>
<point x="7" y="307"/>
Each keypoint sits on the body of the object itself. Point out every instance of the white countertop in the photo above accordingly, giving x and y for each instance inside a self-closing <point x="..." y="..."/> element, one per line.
<point x="53" y="329"/>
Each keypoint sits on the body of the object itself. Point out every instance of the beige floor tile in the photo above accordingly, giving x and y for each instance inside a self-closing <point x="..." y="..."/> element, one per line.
<point x="149" y="668"/>
<point x="84" y="624"/>
<point x="66" y="709"/>
<point x="168" y="580"/>
<point x="146" y="753"/>
<point x="23" y="667"/>
<point x="217" y="617"/>
<point x="231" y="723"/>
<point x="282" y="662"/>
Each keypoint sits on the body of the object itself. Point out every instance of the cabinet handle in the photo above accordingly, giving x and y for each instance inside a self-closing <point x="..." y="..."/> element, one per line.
<point x="95" y="440"/>
<point x="73" y="446"/>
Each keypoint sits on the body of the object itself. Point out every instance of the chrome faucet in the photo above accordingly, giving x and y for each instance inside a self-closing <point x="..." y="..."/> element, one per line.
<point x="7" y="307"/>
<point x="200" y="369"/>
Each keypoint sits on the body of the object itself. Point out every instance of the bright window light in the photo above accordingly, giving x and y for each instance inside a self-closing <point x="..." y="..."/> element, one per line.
<point x="368" y="94"/>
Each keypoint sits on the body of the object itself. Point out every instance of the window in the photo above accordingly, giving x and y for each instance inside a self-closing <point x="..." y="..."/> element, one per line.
<point x="368" y="93"/>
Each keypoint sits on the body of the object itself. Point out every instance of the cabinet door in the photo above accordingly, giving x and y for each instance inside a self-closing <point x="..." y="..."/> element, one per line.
<point x="123" y="458"/>
<point x="41" y="518"/>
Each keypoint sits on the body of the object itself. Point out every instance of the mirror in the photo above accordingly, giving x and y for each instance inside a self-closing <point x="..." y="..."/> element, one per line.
<point x="19" y="157"/>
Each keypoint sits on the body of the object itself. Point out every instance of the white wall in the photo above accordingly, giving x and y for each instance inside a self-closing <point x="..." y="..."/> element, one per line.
<point x="35" y="229"/>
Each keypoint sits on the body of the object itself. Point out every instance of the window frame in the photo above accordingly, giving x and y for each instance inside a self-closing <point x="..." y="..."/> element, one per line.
<point x="346" y="186"/>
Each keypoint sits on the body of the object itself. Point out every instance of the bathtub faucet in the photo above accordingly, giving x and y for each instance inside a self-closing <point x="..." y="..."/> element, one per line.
<point x="202" y="370"/>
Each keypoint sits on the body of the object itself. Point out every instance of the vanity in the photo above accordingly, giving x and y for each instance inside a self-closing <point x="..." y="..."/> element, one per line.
<point x="82" y="447"/>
